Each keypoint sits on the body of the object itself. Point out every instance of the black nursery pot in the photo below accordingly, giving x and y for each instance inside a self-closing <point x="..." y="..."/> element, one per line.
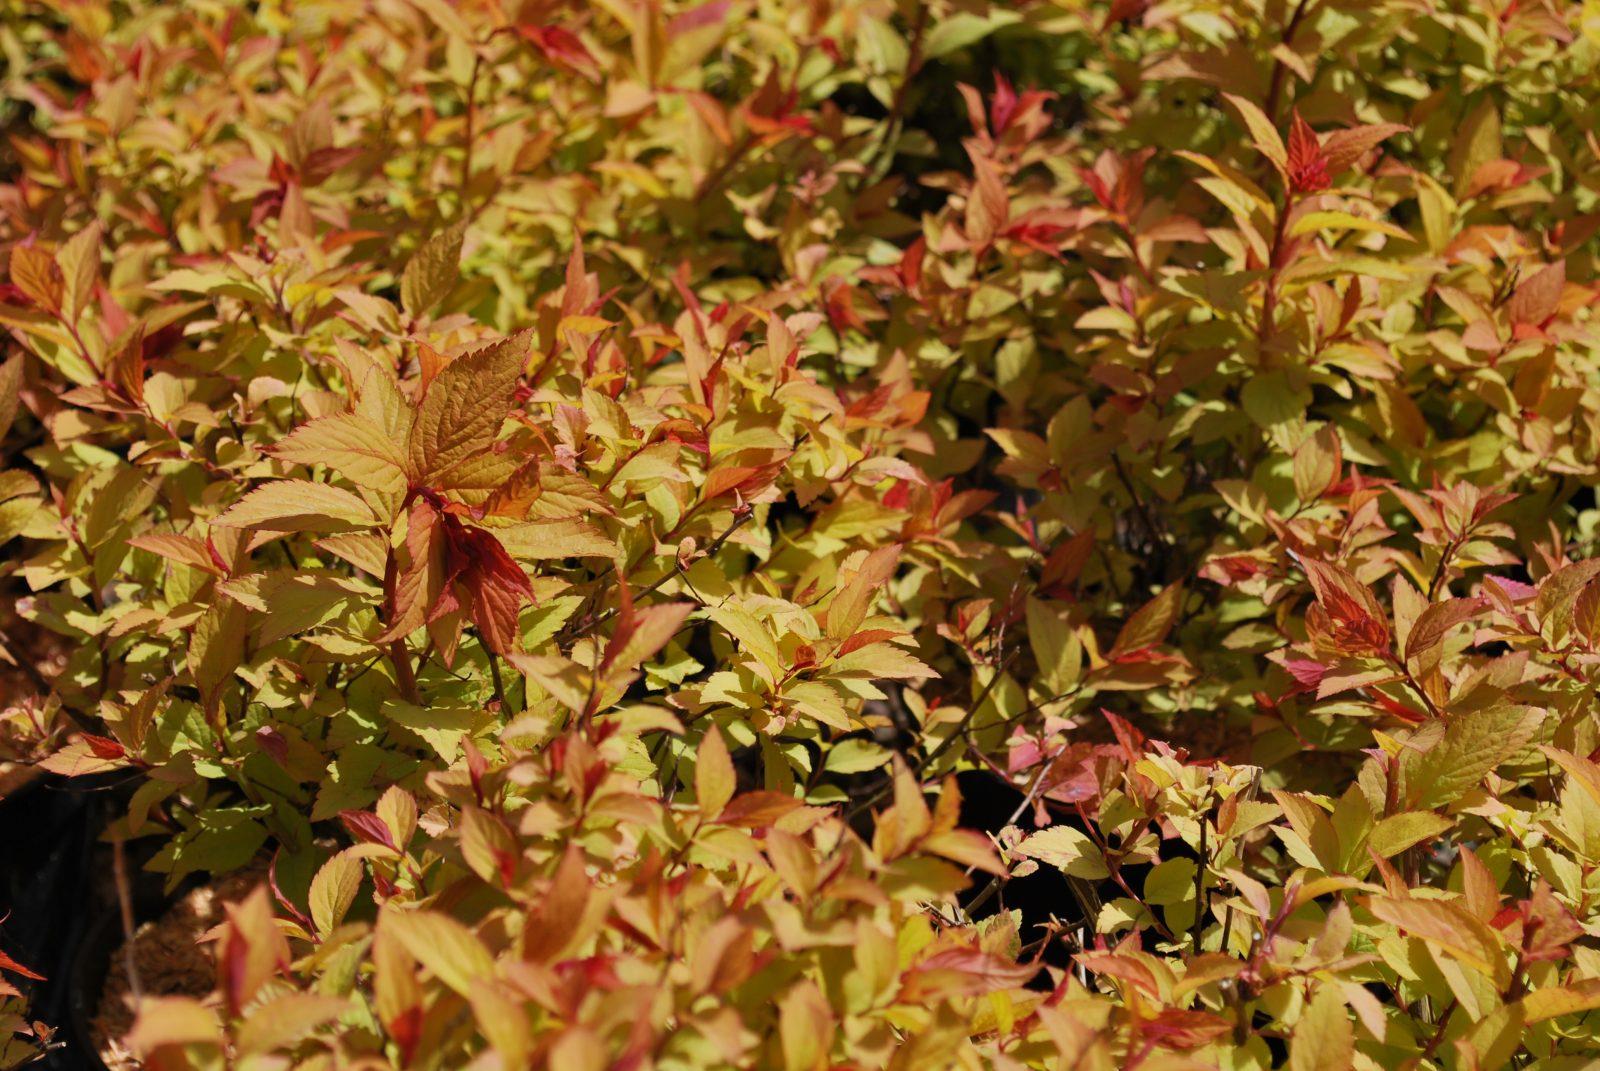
<point x="59" y="918"/>
<point x="86" y="980"/>
<point x="91" y="964"/>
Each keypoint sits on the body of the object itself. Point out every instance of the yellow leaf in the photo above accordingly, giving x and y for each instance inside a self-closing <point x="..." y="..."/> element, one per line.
<point x="1323" y="1039"/>
<point x="164" y="1021"/>
<point x="350" y="445"/>
<point x="36" y="274"/>
<point x="298" y="506"/>
<point x="1447" y="926"/>
<point x="1557" y="1001"/>
<point x="714" y="779"/>
<point x="805" y="1027"/>
<point x="452" y="952"/>
<point x="333" y="890"/>
<point x="1317" y="463"/>
<point x="543" y="540"/>
<point x="79" y="257"/>
<point x="1581" y="771"/>
<point x="1067" y="849"/>
<point x="461" y="413"/>
<point x="504" y="1022"/>
<point x="217" y="648"/>
<point x="1262" y="132"/>
<point x="286" y="1019"/>
<point x="432" y="271"/>
<point x="1312" y="222"/>
<point x="584" y="325"/>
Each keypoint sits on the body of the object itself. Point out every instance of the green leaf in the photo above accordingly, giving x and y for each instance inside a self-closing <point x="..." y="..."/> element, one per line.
<point x="1396" y="833"/>
<point x="1473" y="745"/>
<point x="961" y="30"/>
<point x="1312" y="222"/>
<point x="1170" y="882"/>
<point x="856" y="754"/>
<point x="1056" y="648"/>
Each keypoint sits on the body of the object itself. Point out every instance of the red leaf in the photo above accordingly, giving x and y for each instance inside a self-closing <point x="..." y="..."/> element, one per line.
<point x="1539" y="296"/>
<point x="1177" y="1028"/>
<point x="1131" y="739"/>
<point x="9" y="964"/>
<point x="368" y="828"/>
<point x="495" y="585"/>
<point x="1003" y="105"/>
<point x="561" y="47"/>
<point x="104" y="747"/>
<point x="1350" y="619"/>
<point x="755" y="810"/>
<point x="864" y="638"/>
<point x="1308" y="167"/>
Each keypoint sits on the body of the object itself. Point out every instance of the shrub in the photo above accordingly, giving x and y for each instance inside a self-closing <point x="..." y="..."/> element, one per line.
<point x="583" y="489"/>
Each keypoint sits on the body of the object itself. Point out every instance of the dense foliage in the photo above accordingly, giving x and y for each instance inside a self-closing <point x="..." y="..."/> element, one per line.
<point x="584" y="488"/>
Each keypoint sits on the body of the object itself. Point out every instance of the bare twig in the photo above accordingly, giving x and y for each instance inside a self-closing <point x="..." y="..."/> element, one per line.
<point x="119" y="869"/>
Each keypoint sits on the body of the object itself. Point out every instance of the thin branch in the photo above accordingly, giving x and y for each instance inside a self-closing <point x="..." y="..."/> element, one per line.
<point x="1280" y="71"/>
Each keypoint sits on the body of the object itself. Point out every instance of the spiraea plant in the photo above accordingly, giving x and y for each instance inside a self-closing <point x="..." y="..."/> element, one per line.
<point x="761" y="534"/>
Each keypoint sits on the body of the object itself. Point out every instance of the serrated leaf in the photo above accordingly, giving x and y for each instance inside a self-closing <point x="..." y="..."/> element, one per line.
<point x="1317" y="464"/>
<point x="1323" y="1039"/>
<point x="217" y="648"/>
<point x="462" y="412"/>
<point x="1055" y="645"/>
<point x="547" y="540"/>
<point x="1068" y="849"/>
<point x="1448" y="926"/>
<point x="1584" y="772"/>
<point x="333" y="890"/>
<point x="79" y="258"/>
<point x="172" y="1021"/>
<point x="1558" y="593"/>
<point x="432" y="271"/>
<point x="285" y="1019"/>
<point x="350" y="445"/>
<point x="1434" y="623"/>
<point x="1396" y="833"/>
<point x="36" y="273"/>
<point x="1474" y="744"/>
<point x="454" y="954"/>
<point x="714" y="779"/>
<point x="10" y="392"/>
<point x="1263" y="133"/>
<point x="298" y="506"/>
<point x="1556" y="1001"/>
<point x="1149" y="625"/>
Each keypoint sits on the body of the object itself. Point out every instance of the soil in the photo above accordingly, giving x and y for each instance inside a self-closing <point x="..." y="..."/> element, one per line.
<point x="169" y="958"/>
